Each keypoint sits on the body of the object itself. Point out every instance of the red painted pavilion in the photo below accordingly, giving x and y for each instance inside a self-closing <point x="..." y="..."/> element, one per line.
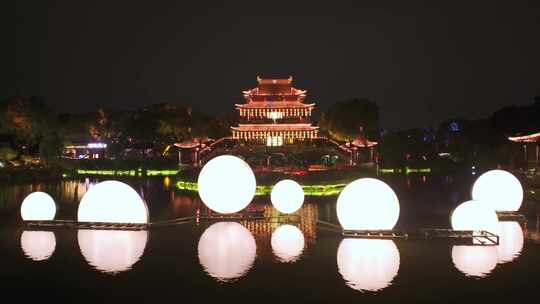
<point x="531" y="147"/>
<point x="274" y="113"/>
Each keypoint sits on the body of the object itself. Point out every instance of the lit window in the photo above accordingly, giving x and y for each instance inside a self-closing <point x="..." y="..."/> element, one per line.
<point x="274" y="141"/>
<point x="274" y="115"/>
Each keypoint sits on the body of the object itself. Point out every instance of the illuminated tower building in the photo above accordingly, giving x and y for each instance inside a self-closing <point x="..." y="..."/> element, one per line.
<point x="274" y="113"/>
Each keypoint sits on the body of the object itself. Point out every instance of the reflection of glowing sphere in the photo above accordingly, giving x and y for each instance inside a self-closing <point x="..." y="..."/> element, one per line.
<point x="287" y="196"/>
<point x="500" y="189"/>
<point x="367" y="204"/>
<point x="112" y="202"/>
<point x="112" y="251"/>
<point x="38" y="206"/>
<point x="475" y="216"/>
<point x="226" y="184"/>
<point x="475" y="261"/>
<point x="287" y="243"/>
<point x="368" y="265"/>
<point x="38" y="245"/>
<point x="510" y="241"/>
<point x="227" y="251"/>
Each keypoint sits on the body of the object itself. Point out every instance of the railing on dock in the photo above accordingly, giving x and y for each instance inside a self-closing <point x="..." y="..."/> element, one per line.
<point x="480" y="238"/>
<point x="84" y="225"/>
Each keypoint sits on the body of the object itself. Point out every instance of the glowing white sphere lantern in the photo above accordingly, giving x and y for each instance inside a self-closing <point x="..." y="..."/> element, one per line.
<point x="112" y="251"/>
<point x="367" y="204"/>
<point x="510" y="241"/>
<point x="38" y="245"/>
<point x="38" y="206"/>
<point x="474" y="261"/>
<point x="112" y="202"/>
<point x="499" y="189"/>
<point x="368" y="265"/>
<point x="287" y="196"/>
<point x="475" y="216"/>
<point x="287" y="243"/>
<point x="226" y="184"/>
<point x="227" y="251"/>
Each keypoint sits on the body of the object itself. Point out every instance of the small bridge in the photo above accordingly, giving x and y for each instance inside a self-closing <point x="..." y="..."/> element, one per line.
<point x="201" y="153"/>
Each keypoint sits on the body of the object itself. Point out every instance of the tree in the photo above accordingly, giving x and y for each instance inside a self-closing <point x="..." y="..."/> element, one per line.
<point x="513" y="119"/>
<point x="346" y="120"/>
<point x="27" y="119"/>
<point x="474" y="141"/>
<point x="50" y="148"/>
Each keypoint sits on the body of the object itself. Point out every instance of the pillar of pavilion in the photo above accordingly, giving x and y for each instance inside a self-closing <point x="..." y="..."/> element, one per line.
<point x="531" y="147"/>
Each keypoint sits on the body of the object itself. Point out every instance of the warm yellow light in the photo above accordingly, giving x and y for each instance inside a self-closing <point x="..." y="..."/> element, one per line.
<point x="227" y="251"/>
<point x="510" y="241"/>
<point x="274" y="115"/>
<point x="367" y="204"/>
<point x="287" y="196"/>
<point x="475" y="216"/>
<point x="112" y="202"/>
<point x="287" y="243"/>
<point x="474" y="261"/>
<point x="112" y="251"/>
<point x="38" y="206"/>
<point x="368" y="265"/>
<point x="499" y="189"/>
<point x="226" y="184"/>
<point x="38" y="245"/>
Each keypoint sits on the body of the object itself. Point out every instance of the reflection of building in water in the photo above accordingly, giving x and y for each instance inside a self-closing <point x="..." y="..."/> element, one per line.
<point x="475" y="261"/>
<point x="167" y="182"/>
<point x="227" y="251"/>
<point x="533" y="233"/>
<point x="306" y="221"/>
<point x="73" y="190"/>
<point x="367" y="264"/>
<point x="112" y="251"/>
<point x="38" y="245"/>
<point x="510" y="241"/>
<point x="11" y="196"/>
<point x="185" y="205"/>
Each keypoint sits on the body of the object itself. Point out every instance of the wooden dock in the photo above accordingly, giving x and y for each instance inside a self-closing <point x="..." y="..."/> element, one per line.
<point x="505" y="216"/>
<point x="68" y="224"/>
<point x="475" y="238"/>
<point x="375" y="234"/>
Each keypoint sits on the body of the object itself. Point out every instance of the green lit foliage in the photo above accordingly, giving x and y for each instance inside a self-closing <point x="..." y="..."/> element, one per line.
<point x="7" y="154"/>
<point x="309" y="190"/>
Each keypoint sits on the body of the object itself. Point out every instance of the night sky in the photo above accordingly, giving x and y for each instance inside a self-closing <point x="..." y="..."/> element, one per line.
<point x="421" y="62"/>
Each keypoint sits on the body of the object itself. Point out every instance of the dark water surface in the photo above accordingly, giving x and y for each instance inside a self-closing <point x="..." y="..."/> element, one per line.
<point x="284" y="260"/>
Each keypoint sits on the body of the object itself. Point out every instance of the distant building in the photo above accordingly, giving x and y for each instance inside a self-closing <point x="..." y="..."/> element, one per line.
<point x="274" y="114"/>
<point x="92" y="150"/>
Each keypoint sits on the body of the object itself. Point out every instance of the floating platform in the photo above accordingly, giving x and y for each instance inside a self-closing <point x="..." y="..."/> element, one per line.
<point x="253" y="215"/>
<point x="55" y="224"/>
<point x="375" y="234"/>
<point x="511" y="216"/>
<point x="469" y="237"/>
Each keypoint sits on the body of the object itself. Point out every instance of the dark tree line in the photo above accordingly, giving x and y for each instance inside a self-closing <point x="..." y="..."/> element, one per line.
<point x="33" y="128"/>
